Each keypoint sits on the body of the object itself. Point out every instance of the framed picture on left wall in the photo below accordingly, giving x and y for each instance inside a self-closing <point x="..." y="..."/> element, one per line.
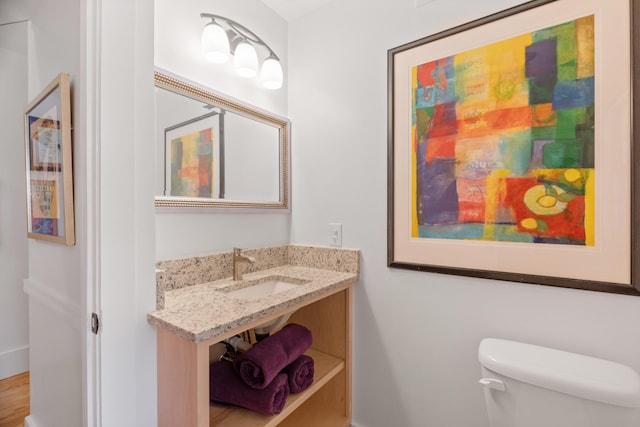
<point x="49" y="173"/>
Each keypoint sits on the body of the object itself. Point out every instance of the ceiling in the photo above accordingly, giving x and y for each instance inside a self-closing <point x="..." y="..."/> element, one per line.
<point x="292" y="9"/>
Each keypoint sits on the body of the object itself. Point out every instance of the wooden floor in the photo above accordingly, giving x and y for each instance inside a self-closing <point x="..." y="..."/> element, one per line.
<point x="14" y="400"/>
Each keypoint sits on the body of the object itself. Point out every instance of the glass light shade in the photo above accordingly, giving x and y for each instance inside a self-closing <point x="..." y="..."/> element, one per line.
<point x="215" y="43"/>
<point x="245" y="60"/>
<point x="271" y="73"/>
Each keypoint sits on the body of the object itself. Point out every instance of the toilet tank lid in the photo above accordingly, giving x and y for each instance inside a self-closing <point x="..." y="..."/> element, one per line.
<point x="574" y="374"/>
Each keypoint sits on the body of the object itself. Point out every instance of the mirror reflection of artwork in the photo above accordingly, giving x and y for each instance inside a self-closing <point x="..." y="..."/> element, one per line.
<point x="192" y="164"/>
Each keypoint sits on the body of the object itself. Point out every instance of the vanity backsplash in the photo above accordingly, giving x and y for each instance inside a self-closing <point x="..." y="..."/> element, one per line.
<point x="182" y="272"/>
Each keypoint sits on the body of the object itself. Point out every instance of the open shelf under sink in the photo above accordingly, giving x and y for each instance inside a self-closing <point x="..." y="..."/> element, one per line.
<point x="326" y="367"/>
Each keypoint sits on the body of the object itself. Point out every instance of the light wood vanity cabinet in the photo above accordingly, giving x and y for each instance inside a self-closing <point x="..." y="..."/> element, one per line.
<point x="183" y="372"/>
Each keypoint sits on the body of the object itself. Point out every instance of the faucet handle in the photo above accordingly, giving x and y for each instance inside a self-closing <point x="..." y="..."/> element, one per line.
<point x="237" y="252"/>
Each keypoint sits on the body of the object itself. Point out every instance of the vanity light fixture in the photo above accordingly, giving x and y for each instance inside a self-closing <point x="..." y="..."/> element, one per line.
<point x="223" y="37"/>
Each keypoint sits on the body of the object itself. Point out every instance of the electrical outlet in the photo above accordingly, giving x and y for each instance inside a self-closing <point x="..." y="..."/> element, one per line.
<point x="335" y="234"/>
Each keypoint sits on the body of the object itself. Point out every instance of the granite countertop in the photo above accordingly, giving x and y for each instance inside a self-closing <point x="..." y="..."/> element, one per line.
<point x="201" y="312"/>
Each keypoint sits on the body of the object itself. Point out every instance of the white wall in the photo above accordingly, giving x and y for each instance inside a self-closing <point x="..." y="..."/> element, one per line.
<point x="14" y="307"/>
<point x="125" y="219"/>
<point x="177" y="49"/>
<point x="54" y="282"/>
<point x="415" y="334"/>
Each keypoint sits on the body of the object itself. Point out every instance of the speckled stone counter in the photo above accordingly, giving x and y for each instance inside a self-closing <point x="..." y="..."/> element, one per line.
<point x="192" y="292"/>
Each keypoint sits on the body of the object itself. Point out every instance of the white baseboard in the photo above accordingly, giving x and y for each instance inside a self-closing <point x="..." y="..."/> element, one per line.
<point x="28" y="422"/>
<point x="14" y="362"/>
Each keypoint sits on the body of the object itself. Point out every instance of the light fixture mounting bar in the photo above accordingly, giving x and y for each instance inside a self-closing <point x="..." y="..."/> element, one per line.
<point x="242" y="31"/>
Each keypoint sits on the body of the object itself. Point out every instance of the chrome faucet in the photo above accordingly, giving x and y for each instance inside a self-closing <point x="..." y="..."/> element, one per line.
<point x="238" y="258"/>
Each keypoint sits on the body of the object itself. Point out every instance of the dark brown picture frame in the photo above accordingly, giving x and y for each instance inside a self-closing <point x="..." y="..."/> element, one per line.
<point x="406" y="251"/>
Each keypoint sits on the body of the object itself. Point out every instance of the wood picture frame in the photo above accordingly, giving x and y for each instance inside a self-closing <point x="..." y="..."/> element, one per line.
<point x="49" y="170"/>
<point x="486" y="176"/>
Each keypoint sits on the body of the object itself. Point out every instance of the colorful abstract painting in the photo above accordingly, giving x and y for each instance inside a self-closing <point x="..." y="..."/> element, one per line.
<point x="192" y="164"/>
<point x="44" y="204"/>
<point x="503" y="140"/>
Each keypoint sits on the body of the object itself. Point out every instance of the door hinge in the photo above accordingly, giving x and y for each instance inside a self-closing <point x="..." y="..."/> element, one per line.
<point x="95" y="323"/>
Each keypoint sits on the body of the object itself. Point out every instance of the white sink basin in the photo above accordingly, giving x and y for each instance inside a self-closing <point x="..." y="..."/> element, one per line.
<point x="254" y="292"/>
<point x="262" y="289"/>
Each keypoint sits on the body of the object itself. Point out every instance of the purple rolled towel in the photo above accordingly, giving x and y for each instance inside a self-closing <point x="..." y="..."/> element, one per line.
<point x="225" y="386"/>
<point x="300" y="373"/>
<point x="259" y="365"/>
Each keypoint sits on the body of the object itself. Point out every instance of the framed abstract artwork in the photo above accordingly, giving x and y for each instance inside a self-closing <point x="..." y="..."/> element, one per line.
<point x="47" y="124"/>
<point x="195" y="166"/>
<point x="511" y="148"/>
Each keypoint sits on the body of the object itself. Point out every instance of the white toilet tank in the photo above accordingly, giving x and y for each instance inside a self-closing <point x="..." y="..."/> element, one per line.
<point x="531" y="386"/>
